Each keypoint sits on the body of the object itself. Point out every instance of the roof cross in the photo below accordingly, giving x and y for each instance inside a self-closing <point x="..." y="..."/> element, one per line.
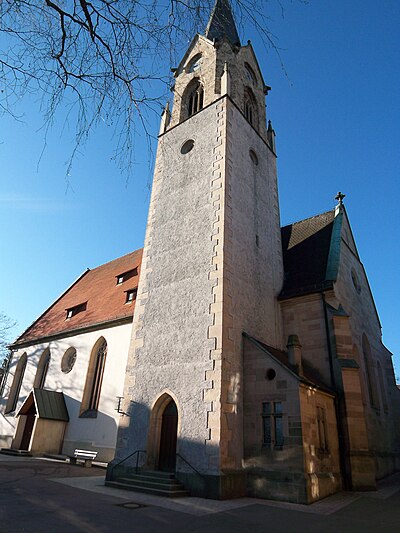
<point x="339" y="197"/>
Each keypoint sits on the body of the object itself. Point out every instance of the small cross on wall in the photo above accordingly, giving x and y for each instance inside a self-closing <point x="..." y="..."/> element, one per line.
<point x="339" y="197"/>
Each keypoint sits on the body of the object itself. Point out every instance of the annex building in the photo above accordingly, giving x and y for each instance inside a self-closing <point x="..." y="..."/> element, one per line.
<point x="248" y="356"/>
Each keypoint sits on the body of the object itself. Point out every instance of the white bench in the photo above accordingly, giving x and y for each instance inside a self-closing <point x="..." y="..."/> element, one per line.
<point x="83" y="455"/>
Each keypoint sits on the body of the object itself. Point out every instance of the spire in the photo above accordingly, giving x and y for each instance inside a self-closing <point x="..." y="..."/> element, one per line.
<point x="222" y="23"/>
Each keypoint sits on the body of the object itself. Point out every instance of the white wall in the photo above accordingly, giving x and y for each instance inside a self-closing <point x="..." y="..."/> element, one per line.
<point x="98" y="433"/>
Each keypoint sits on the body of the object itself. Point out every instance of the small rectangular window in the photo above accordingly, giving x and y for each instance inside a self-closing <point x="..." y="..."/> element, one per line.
<point x="72" y="311"/>
<point x="121" y="278"/>
<point x="272" y="416"/>
<point x="130" y="296"/>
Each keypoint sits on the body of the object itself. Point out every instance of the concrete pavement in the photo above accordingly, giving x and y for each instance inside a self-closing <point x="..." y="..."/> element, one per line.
<point x="39" y="495"/>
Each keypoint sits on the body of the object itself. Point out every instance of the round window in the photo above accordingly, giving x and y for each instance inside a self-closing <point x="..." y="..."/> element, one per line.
<point x="187" y="146"/>
<point x="270" y="374"/>
<point x="68" y="360"/>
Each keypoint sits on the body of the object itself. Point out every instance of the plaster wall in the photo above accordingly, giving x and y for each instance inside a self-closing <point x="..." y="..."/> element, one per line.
<point x="171" y="347"/>
<point x="96" y="433"/>
<point x="253" y="272"/>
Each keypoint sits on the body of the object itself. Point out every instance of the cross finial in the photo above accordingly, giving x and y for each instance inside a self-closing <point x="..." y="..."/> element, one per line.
<point x="339" y="197"/>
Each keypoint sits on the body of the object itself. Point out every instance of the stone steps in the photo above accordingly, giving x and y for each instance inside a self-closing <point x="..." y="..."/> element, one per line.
<point x="15" y="452"/>
<point x="156" y="483"/>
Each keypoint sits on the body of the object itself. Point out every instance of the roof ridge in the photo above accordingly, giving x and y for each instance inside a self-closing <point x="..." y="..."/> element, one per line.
<point x="113" y="260"/>
<point x="308" y="218"/>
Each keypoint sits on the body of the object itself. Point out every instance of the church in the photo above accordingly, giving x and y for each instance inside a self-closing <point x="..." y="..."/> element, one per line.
<point x="235" y="356"/>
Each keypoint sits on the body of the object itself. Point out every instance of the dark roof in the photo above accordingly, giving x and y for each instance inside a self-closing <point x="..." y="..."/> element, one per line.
<point x="310" y="376"/>
<point x="105" y="300"/>
<point x="306" y="249"/>
<point x="222" y="24"/>
<point x="48" y="404"/>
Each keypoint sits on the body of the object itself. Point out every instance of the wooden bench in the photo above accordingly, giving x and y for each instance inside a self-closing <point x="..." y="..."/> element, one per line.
<point x="83" y="455"/>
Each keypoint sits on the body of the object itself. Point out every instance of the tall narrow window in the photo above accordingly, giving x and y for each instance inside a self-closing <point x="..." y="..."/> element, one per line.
<point x="196" y="98"/>
<point x="382" y="387"/>
<point x="272" y="424"/>
<point x="369" y="373"/>
<point x="250" y="107"/>
<point x="16" y="384"/>
<point x="322" y="433"/>
<point x="94" y="379"/>
<point x="42" y="369"/>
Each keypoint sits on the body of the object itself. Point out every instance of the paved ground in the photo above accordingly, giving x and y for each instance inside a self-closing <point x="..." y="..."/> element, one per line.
<point x="40" y="496"/>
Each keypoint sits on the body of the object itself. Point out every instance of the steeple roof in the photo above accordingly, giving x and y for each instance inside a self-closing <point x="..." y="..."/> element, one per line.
<point x="222" y="24"/>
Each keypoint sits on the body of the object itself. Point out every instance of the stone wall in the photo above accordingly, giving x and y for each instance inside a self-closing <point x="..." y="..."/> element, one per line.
<point x="352" y="290"/>
<point x="322" y="466"/>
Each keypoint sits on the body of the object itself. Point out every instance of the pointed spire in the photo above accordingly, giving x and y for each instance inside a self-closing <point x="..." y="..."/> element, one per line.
<point x="222" y="23"/>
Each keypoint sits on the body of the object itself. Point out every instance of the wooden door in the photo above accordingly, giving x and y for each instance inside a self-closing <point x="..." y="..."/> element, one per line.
<point x="28" y="429"/>
<point x="169" y="426"/>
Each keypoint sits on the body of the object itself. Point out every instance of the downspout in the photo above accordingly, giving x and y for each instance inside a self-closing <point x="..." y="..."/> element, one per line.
<point x="339" y="406"/>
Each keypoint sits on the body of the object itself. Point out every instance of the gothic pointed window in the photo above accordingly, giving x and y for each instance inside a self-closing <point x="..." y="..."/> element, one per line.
<point x="94" y="380"/>
<point x="370" y="373"/>
<point x="42" y="369"/>
<point x="16" y="384"/>
<point x="195" y="98"/>
<point x="250" y="107"/>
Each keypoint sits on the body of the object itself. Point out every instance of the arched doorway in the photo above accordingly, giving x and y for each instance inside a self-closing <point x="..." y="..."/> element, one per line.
<point x="168" y="437"/>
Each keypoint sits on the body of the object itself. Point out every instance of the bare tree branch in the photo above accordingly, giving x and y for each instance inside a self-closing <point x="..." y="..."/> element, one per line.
<point x="101" y="59"/>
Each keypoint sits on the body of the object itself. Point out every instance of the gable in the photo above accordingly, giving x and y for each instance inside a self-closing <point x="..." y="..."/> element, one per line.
<point x="96" y="294"/>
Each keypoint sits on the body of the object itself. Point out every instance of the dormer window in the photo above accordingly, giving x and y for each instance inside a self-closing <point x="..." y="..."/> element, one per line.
<point x="195" y="99"/>
<point x="72" y="311"/>
<point x="130" y="296"/>
<point x="126" y="275"/>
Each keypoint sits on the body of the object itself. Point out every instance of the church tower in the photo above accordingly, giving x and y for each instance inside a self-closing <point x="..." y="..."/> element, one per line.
<point x="211" y="270"/>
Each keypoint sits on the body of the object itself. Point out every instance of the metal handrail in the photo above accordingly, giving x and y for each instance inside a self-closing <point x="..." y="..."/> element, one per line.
<point x="189" y="465"/>
<point x="138" y="452"/>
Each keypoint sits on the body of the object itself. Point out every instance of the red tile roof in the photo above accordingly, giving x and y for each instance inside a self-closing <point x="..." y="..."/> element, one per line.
<point x="98" y="287"/>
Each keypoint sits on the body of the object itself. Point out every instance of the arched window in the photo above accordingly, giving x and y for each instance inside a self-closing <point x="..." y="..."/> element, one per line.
<point x="250" y="74"/>
<point x="42" y="369"/>
<point x="194" y="64"/>
<point x="16" y="384"/>
<point x="370" y="374"/>
<point x="94" y="379"/>
<point x="382" y="387"/>
<point x="194" y="98"/>
<point x="250" y="107"/>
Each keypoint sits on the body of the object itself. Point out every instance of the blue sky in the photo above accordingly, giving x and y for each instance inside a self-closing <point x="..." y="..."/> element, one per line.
<point x="336" y="113"/>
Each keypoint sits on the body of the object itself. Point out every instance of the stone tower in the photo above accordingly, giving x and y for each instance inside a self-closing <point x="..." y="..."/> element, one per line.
<point x="211" y="270"/>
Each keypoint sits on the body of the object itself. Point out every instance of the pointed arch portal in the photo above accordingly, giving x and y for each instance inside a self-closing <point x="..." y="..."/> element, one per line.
<point x="168" y="437"/>
<point x="163" y="434"/>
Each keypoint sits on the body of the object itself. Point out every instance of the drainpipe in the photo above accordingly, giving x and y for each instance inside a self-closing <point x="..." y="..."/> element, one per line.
<point x="340" y="408"/>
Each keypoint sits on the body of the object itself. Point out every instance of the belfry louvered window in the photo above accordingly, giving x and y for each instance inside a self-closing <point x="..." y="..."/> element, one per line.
<point x="195" y="100"/>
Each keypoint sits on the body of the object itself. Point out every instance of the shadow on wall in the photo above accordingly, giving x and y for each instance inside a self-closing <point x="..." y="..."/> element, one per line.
<point x="144" y="442"/>
<point x="97" y="433"/>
